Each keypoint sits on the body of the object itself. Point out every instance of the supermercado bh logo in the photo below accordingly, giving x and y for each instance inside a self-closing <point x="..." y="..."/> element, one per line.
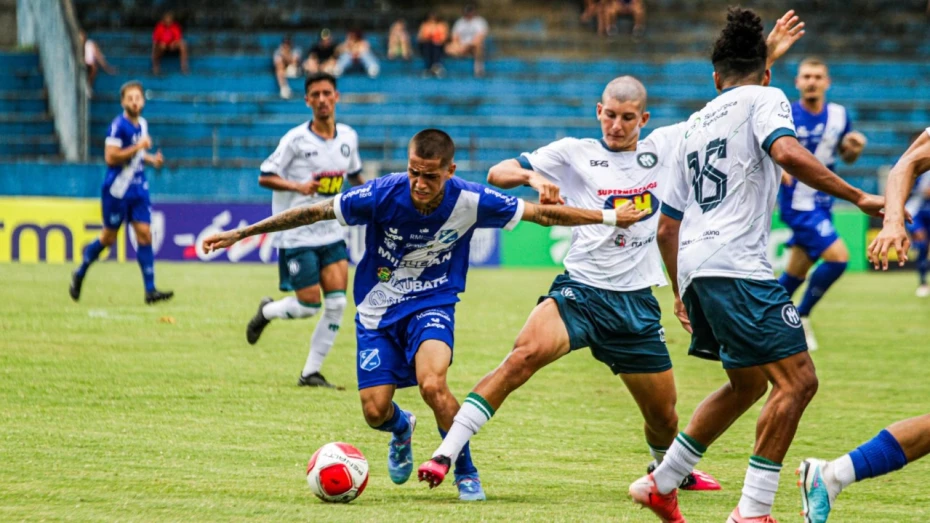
<point x="643" y="201"/>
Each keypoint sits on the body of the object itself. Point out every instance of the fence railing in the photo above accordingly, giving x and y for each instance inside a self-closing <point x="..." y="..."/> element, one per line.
<point x="52" y="27"/>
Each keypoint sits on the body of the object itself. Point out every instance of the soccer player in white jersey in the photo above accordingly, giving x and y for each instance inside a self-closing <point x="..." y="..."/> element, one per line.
<point x="713" y="235"/>
<point x="825" y="129"/>
<point x="418" y="227"/>
<point x="310" y="165"/>
<point x="604" y="300"/>
<point x="905" y="441"/>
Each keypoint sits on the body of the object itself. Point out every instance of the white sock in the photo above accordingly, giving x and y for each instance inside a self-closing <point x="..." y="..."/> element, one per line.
<point x="759" y="488"/>
<point x="324" y="334"/>
<point x="288" y="309"/>
<point x="657" y="453"/>
<point x="475" y="412"/>
<point x="680" y="460"/>
<point x="839" y="474"/>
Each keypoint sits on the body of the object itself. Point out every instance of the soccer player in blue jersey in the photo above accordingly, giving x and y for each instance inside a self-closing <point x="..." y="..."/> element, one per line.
<point x="825" y="129"/>
<point x="919" y="207"/>
<point x="418" y="227"/>
<point x="125" y="193"/>
<point x="905" y="441"/>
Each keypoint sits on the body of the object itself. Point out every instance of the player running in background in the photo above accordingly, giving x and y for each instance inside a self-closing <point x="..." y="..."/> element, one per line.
<point x="125" y="193"/>
<point x="418" y="227"/>
<point x="713" y="235"/>
<point x="905" y="441"/>
<point x="919" y="207"/>
<point x="825" y="129"/>
<point x="310" y="165"/>
<point x="604" y="300"/>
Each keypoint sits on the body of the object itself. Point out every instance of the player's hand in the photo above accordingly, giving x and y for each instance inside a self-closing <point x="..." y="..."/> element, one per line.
<point x="854" y="141"/>
<point x="788" y="30"/>
<point x="892" y="236"/>
<point x="548" y="191"/>
<point x="682" y="314"/>
<point x="871" y="204"/>
<point x="308" y="188"/>
<point x="786" y="178"/>
<point x="145" y="143"/>
<point x="219" y="241"/>
<point x="158" y="160"/>
<point x="628" y="214"/>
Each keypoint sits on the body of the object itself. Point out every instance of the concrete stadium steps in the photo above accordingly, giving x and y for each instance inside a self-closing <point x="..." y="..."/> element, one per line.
<point x="26" y="128"/>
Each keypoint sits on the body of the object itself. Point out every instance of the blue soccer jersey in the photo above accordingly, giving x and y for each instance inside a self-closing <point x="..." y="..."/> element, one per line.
<point x="822" y="135"/>
<point x="413" y="261"/>
<point x="127" y="180"/>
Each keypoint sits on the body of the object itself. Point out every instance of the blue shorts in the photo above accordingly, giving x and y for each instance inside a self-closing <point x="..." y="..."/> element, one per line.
<point x="387" y="356"/>
<point x="813" y="231"/>
<point x="299" y="268"/>
<point x="921" y="223"/>
<point x="742" y="323"/>
<point x="133" y="208"/>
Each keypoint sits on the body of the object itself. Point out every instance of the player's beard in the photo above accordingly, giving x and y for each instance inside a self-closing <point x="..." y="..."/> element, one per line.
<point x="132" y="114"/>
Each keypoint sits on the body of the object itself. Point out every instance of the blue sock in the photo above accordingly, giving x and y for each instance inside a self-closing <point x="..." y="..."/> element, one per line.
<point x="463" y="464"/>
<point x="821" y="280"/>
<point x="146" y="258"/>
<point x="790" y="283"/>
<point x="91" y="253"/>
<point x="878" y="456"/>
<point x="398" y="424"/>
<point x="923" y="248"/>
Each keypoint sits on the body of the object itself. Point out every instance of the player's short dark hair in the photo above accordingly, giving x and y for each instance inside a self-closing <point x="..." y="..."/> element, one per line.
<point x="430" y="144"/>
<point x="740" y="50"/>
<point x="132" y="84"/>
<point x="319" y="77"/>
<point x="815" y="62"/>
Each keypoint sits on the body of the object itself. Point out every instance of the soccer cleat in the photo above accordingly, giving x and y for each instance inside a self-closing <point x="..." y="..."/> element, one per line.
<point x="809" y="334"/>
<point x="815" y="494"/>
<point x="400" y="453"/>
<point x="696" y="481"/>
<point x="156" y="295"/>
<point x="317" y="380"/>
<point x="645" y="493"/>
<point x="469" y="486"/>
<point x="923" y="291"/>
<point x="75" y="289"/>
<point x="735" y="517"/>
<point x="258" y="323"/>
<point x="434" y="470"/>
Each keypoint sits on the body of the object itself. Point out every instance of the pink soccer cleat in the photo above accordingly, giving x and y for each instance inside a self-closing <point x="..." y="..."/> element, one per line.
<point x="736" y="518"/>
<point x="698" y="480"/>
<point x="645" y="493"/>
<point x="434" y="470"/>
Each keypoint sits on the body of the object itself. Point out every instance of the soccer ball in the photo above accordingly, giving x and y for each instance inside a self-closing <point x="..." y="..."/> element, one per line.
<point x="337" y="473"/>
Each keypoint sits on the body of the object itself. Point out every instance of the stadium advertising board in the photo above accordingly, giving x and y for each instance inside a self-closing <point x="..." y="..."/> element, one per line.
<point x="56" y="230"/>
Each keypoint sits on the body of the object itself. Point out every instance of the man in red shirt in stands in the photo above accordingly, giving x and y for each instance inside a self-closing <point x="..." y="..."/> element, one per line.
<point x="167" y="38"/>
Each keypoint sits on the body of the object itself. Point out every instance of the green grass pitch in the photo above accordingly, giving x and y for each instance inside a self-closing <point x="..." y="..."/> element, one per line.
<point x="108" y="412"/>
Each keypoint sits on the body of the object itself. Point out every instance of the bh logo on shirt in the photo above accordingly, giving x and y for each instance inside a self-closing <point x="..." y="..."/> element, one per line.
<point x="645" y="201"/>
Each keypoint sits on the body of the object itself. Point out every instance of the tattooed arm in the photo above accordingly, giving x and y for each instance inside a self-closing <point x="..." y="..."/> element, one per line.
<point x="290" y="219"/>
<point x="549" y="215"/>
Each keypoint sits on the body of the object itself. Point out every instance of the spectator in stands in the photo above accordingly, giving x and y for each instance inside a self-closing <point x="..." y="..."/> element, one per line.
<point x="286" y="65"/>
<point x="468" y="34"/>
<point x="166" y="38"/>
<point x="609" y="10"/>
<point x="431" y="38"/>
<point x="322" y="56"/>
<point x="356" y="51"/>
<point x="94" y="60"/>
<point x="399" y="41"/>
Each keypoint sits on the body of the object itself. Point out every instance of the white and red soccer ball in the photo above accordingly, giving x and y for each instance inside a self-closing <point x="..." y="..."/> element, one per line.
<point x="337" y="473"/>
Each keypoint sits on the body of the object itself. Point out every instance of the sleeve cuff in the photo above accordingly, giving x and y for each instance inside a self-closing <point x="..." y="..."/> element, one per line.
<point x="776" y="134"/>
<point x="337" y="209"/>
<point x="517" y="215"/>
<point x="266" y="173"/>
<point x="113" y="141"/>
<point x="672" y="212"/>
<point x="524" y="162"/>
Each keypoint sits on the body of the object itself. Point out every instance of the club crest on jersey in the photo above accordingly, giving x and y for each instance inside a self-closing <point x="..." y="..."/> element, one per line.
<point x="644" y="201"/>
<point x="647" y="160"/>
<point x="345" y="150"/>
<point x="384" y="274"/>
<point x="448" y="236"/>
<point x="620" y="240"/>
<point x="369" y="359"/>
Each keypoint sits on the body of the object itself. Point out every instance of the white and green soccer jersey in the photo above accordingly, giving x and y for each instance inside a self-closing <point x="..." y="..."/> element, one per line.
<point x="590" y="176"/>
<point x="725" y="185"/>
<point x="301" y="156"/>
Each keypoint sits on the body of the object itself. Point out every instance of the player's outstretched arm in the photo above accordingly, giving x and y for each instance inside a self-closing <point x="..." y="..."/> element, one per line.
<point x="893" y="235"/>
<point x="667" y="238"/>
<point x="794" y="158"/>
<point x="286" y="220"/>
<point x="549" y="215"/>
<point x="788" y="30"/>
<point x="509" y="174"/>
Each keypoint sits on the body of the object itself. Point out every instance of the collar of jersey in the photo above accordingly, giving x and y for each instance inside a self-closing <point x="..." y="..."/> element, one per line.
<point x="604" y="145"/>
<point x="310" y="128"/>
